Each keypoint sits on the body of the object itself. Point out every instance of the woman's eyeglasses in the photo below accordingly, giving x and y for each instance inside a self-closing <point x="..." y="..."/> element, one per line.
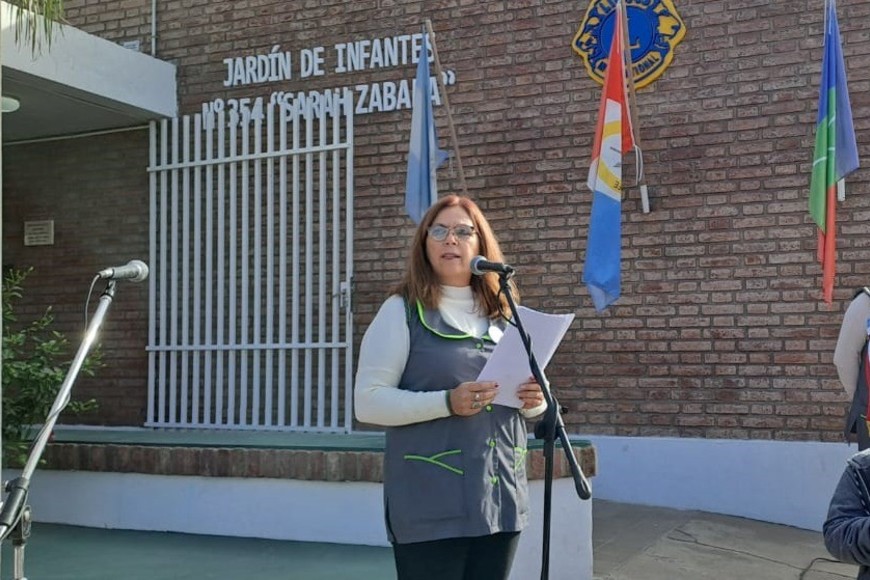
<point x="462" y="232"/>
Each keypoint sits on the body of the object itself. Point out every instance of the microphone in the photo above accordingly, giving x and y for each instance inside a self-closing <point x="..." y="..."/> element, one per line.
<point x="134" y="271"/>
<point x="480" y="266"/>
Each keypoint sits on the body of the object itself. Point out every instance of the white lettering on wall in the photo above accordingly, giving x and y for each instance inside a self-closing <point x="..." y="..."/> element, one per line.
<point x="379" y="53"/>
<point x="380" y="97"/>
<point x="262" y="68"/>
<point x="311" y="62"/>
<point x="348" y="57"/>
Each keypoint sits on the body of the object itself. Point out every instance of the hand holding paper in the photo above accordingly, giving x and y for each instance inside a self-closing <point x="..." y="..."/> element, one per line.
<point x="509" y="363"/>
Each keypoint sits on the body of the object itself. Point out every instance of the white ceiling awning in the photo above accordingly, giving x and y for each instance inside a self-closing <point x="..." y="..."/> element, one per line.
<point x="82" y="84"/>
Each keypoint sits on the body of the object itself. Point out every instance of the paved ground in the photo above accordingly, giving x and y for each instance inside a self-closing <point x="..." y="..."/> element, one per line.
<point x="73" y="553"/>
<point x="630" y="543"/>
<point x="644" y="543"/>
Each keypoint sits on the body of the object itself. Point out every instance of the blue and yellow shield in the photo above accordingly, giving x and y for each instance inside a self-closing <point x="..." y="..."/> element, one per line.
<point x="654" y="29"/>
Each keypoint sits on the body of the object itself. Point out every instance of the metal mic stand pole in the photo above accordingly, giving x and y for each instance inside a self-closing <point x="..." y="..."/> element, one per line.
<point x="546" y="429"/>
<point x="15" y="513"/>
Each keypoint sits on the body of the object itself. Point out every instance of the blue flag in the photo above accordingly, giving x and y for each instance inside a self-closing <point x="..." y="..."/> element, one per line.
<point x="836" y="151"/>
<point x="424" y="157"/>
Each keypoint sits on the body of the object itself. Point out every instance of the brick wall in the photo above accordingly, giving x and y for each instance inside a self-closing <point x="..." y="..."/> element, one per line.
<point x="720" y="331"/>
<point x="312" y="465"/>
<point x="96" y="191"/>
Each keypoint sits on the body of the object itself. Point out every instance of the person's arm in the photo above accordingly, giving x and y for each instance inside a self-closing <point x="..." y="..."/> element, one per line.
<point x="853" y="333"/>
<point x="847" y="527"/>
<point x="382" y="358"/>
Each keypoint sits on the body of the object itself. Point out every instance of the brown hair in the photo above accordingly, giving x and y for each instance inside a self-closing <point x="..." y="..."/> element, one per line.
<point x="421" y="283"/>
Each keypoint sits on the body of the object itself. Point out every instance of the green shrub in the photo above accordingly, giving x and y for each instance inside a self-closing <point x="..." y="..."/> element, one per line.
<point x="36" y="360"/>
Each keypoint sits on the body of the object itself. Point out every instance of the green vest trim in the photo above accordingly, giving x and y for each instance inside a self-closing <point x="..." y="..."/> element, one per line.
<point x="434" y="460"/>
<point x="421" y="312"/>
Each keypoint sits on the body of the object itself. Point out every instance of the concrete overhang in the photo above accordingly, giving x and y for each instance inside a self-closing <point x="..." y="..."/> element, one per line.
<point x="83" y="84"/>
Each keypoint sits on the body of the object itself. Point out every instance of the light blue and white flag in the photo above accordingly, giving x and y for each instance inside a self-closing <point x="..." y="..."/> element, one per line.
<point x="614" y="136"/>
<point x="424" y="156"/>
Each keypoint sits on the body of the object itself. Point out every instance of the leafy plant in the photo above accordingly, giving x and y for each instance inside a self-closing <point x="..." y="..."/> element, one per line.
<point x="35" y="363"/>
<point x="35" y="22"/>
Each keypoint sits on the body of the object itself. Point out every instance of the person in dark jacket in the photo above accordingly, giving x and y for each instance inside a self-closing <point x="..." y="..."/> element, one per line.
<point x="455" y="489"/>
<point x="847" y="527"/>
<point x="850" y="358"/>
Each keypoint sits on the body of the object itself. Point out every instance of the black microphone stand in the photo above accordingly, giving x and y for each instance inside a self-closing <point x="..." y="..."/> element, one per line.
<point x="15" y="516"/>
<point x="546" y="429"/>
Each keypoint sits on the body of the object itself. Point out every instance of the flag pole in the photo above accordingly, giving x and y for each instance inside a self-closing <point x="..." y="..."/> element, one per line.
<point x="841" y="184"/>
<point x="440" y="80"/>
<point x="632" y="111"/>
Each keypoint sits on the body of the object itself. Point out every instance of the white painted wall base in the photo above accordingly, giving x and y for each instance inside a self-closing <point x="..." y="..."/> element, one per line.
<point x="785" y="482"/>
<point x="344" y="513"/>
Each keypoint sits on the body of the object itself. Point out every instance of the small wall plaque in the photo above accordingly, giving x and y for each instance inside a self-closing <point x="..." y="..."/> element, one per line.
<point x="39" y="233"/>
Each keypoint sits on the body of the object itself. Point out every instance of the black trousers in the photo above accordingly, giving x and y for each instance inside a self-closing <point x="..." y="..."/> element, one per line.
<point x="480" y="558"/>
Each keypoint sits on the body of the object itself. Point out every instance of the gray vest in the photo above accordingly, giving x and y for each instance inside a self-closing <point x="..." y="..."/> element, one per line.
<point x="456" y="476"/>
<point x="856" y="420"/>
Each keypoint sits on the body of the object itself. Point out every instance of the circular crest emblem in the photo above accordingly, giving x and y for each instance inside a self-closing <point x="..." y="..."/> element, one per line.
<point x="654" y="29"/>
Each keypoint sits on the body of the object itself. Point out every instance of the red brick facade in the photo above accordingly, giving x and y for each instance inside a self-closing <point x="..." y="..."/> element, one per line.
<point x="96" y="191"/>
<point x="720" y="331"/>
<point x="312" y="465"/>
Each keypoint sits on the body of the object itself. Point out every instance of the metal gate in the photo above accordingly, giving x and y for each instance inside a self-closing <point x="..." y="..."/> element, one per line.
<point x="251" y="245"/>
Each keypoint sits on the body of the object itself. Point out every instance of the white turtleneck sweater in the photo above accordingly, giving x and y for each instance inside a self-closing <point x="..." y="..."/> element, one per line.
<point x="384" y="352"/>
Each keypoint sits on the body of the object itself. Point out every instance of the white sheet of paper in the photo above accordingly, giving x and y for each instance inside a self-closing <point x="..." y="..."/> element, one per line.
<point x="509" y="364"/>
